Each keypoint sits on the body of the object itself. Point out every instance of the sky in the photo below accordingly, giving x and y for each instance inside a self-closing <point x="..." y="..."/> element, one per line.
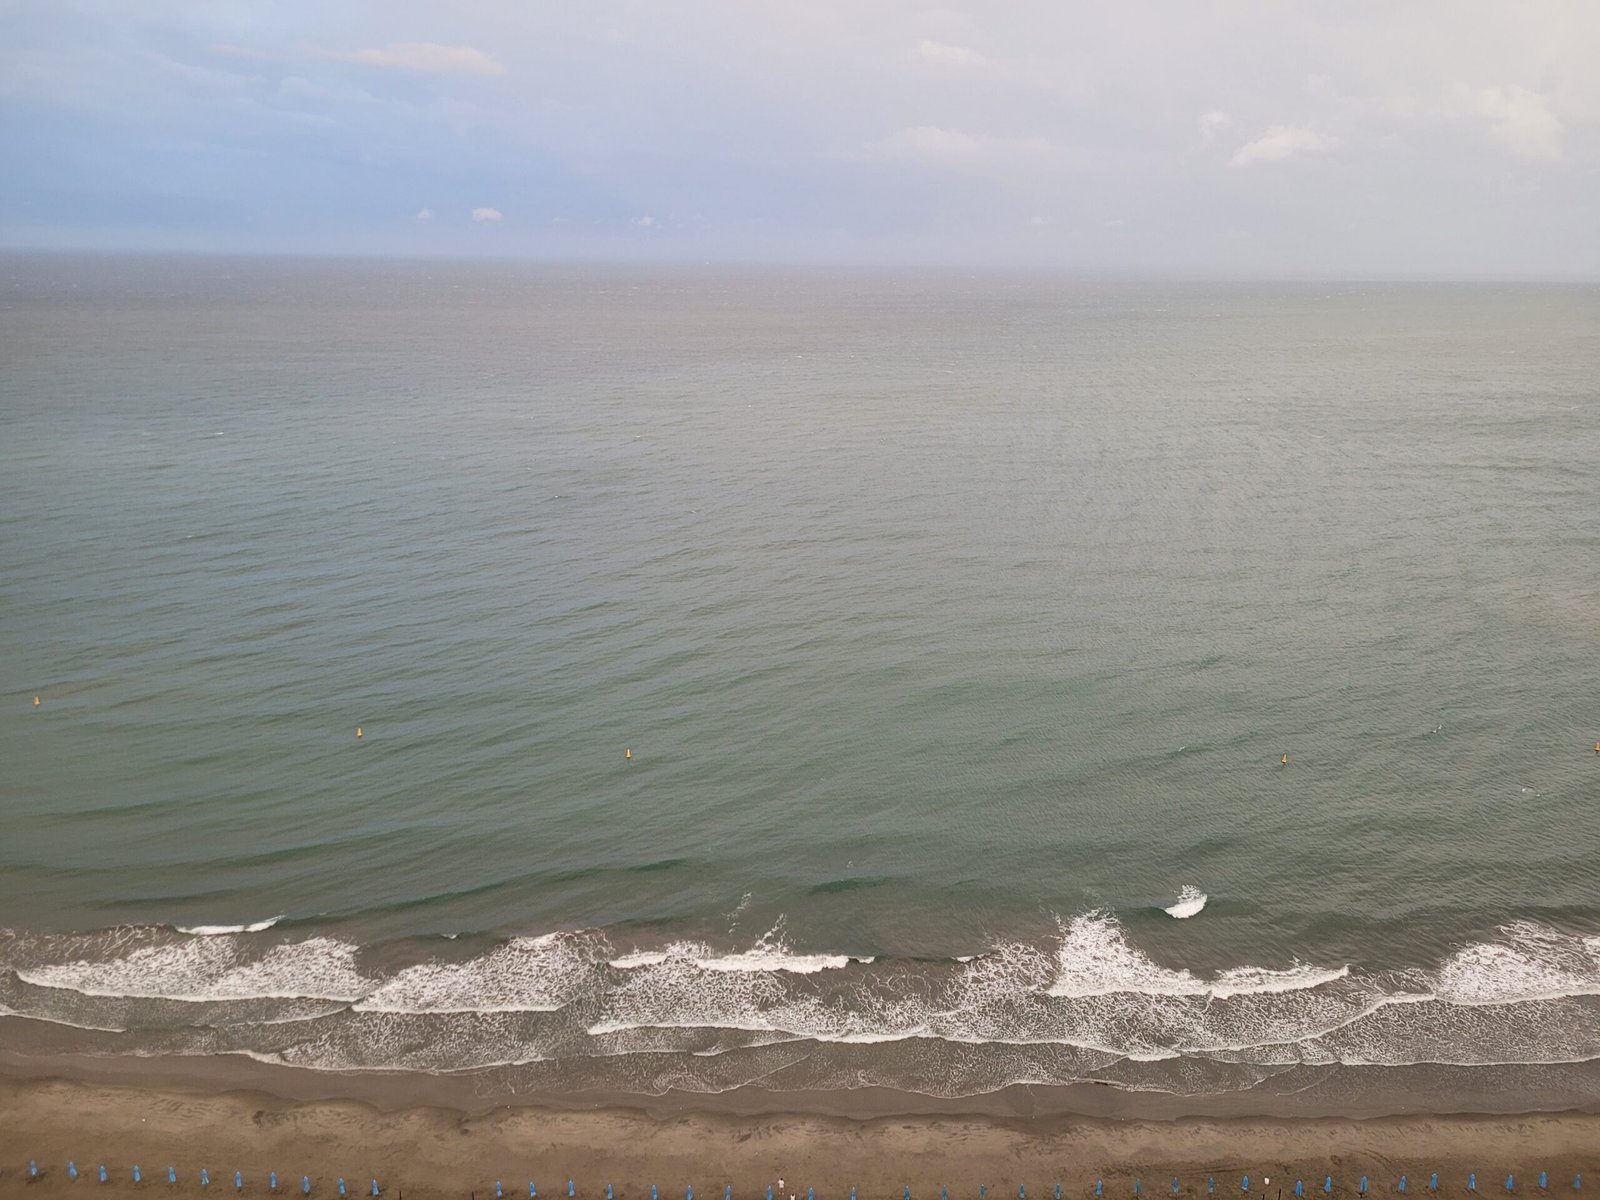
<point x="1452" y="138"/>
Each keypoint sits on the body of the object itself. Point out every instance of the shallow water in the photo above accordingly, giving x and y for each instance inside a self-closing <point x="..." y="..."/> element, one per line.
<point x="955" y="626"/>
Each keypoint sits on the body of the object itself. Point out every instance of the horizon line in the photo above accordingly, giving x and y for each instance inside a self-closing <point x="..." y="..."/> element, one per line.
<point x="1058" y="270"/>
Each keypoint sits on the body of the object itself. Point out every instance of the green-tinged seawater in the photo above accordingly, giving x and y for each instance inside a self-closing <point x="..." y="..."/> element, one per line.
<point x="954" y="623"/>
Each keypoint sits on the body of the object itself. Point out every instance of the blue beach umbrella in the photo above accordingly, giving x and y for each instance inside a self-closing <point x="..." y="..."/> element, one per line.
<point x="1472" y="1181"/>
<point x="570" y="1190"/>
<point x="1099" y="1187"/>
<point x="1327" y="1184"/>
<point x="305" y="1185"/>
<point x="205" y="1177"/>
<point x="1244" y="1184"/>
<point x="1299" y="1187"/>
<point x="137" y="1178"/>
<point x="1433" y="1182"/>
<point x="1544" y="1180"/>
<point x="374" y="1187"/>
<point x="72" y="1170"/>
<point x="1363" y="1188"/>
<point x="33" y="1169"/>
<point x="498" y="1190"/>
<point x="102" y="1172"/>
<point x="341" y="1186"/>
<point x="1402" y="1183"/>
<point x="238" y="1181"/>
<point x="1510" y="1183"/>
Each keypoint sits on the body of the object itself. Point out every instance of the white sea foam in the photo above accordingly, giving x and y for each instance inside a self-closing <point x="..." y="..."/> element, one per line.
<point x="213" y="968"/>
<point x="1190" y="901"/>
<point x="216" y="930"/>
<point x="1096" y="959"/>
<point x="1529" y="962"/>
<point x="769" y="954"/>
<point x="1088" y="1002"/>
<point x="539" y="974"/>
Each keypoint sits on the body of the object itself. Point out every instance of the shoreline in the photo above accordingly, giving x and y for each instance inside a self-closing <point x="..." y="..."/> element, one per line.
<point x="1303" y="1094"/>
<point x="445" y="1151"/>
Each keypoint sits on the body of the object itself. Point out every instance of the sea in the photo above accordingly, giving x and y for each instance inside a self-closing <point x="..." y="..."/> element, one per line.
<point x="675" y="681"/>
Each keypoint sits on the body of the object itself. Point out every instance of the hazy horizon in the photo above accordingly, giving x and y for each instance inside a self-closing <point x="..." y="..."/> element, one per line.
<point x="735" y="266"/>
<point x="1226" y="141"/>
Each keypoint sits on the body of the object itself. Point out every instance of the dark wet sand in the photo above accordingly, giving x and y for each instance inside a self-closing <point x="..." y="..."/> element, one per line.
<point x="439" y="1151"/>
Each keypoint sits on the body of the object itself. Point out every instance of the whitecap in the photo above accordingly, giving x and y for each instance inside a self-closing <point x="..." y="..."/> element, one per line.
<point x="216" y="930"/>
<point x="1190" y="901"/>
<point x="1096" y="959"/>
<point x="214" y="968"/>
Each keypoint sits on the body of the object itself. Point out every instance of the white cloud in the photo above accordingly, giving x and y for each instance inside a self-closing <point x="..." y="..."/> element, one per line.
<point x="424" y="214"/>
<point x="1211" y="123"/>
<point x="486" y="214"/>
<point x="1522" y="122"/>
<point x="945" y="55"/>
<point x="427" y="56"/>
<point x="645" y="222"/>
<point x="1280" y="142"/>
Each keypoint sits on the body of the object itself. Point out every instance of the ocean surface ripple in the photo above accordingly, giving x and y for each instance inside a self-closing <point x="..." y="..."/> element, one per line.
<point x="800" y="678"/>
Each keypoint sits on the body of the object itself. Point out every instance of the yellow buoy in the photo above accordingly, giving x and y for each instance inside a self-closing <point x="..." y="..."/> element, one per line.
<point x="1596" y="745"/>
<point x="628" y="754"/>
<point x="1286" y="760"/>
<point x="36" y="705"/>
<point x="358" y="731"/>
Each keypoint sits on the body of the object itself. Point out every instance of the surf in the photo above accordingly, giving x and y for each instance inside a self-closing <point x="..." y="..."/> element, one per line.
<point x="1190" y="901"/>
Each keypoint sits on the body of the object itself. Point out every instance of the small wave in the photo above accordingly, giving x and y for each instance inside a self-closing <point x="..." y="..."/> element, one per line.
<point x="765" y="956"/>
<point x="213" y="968"/>
<point x="216" y="930"/>
<point x="539" y="974"/>
<point x="1531" y="962"/>
<point x="1096" y="959"/>
<point x="1190" y="901"/>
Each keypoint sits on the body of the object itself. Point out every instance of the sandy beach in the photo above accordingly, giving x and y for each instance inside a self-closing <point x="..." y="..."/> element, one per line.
<point x="436" y="1151"/>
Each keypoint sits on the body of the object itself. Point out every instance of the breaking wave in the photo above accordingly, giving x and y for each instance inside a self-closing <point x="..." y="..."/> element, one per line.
<point x="216" y="930"/>
<point x="1086" y="1004"/>
<point x="1190" y="901"/>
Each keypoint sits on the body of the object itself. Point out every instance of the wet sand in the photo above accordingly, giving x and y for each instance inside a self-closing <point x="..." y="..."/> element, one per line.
<point x="451" y="1152"/>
